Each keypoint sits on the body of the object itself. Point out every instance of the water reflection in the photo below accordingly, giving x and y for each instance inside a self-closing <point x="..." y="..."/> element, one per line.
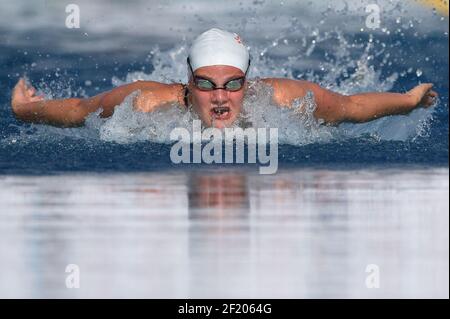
<point x="226" y="233"/>
<point x="219" y="229"/>
<point x="218" y="192"/>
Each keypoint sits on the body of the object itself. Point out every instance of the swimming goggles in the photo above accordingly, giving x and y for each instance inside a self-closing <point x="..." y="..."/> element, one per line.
<point x="206" y="85"/>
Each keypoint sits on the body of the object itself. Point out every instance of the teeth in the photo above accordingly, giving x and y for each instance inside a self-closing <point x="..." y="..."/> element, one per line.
<point x="221" y="109"/>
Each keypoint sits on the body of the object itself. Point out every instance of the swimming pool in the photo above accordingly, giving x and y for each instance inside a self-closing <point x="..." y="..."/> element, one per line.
<point x="80" y="192"/>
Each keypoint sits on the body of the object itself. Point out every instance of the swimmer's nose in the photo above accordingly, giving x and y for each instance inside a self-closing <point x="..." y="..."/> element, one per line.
<point x="219" y="96"/>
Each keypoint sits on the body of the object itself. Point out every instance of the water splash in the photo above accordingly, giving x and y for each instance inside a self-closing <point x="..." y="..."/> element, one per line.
<point x="347" y="69"/>
<point x="297" y="125"/>
<point x="129" y="126"/>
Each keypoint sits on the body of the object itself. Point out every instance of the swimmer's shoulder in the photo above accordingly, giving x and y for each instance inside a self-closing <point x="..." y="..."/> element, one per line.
<point x="283" y="83"/>
<point x="287" y="90"/>
<point x="157" y="86"/>
<point x="153" y="94"/>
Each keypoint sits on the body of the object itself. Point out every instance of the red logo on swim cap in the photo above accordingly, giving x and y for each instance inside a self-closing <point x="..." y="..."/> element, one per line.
<point x="238" y="38"/>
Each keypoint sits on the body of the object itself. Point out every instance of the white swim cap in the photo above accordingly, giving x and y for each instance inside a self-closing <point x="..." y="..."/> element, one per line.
<point x="219" y="47"/>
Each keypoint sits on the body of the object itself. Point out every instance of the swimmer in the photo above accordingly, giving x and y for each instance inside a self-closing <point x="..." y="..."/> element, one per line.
<point x="218" y="63"/>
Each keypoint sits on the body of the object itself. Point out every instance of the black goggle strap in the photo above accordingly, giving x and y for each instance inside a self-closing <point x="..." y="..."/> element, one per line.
<point x="192" y="71"/>
<point x="248" y="67"/>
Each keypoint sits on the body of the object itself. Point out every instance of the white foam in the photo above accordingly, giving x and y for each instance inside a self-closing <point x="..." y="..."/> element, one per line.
<point x="297" y="126"/>
<point x="277" y="59"/>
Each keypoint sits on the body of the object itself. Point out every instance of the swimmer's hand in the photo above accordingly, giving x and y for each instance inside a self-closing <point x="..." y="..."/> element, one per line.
<point x="422" y="95"/>
<point x="23" y="94"/>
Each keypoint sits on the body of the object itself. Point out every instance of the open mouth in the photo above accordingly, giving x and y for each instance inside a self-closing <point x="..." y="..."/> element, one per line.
<point x="221" y="112"/>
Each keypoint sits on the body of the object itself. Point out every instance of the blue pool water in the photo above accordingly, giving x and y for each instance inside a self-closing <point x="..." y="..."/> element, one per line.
<point x="63" y="63"/>
<point x="107" y="198"/>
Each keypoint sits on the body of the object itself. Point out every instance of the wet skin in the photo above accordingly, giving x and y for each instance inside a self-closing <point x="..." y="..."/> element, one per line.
<point x="218" y="107"/>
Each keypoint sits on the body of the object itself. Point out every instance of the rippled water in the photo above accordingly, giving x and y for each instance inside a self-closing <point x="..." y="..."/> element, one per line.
<point x="227" y="234"/>
<point x="327" y="43"/>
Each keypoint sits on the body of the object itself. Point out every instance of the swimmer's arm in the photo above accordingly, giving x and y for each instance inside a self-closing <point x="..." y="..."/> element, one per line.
<point x="366" y="107"/>
<point x="73" y="112"/>
<point x="335" y="108"/>
<point x="65" y="112"/>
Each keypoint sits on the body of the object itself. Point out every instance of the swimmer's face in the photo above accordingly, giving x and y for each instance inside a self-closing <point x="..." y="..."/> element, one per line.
<point x="218" y="108"/>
